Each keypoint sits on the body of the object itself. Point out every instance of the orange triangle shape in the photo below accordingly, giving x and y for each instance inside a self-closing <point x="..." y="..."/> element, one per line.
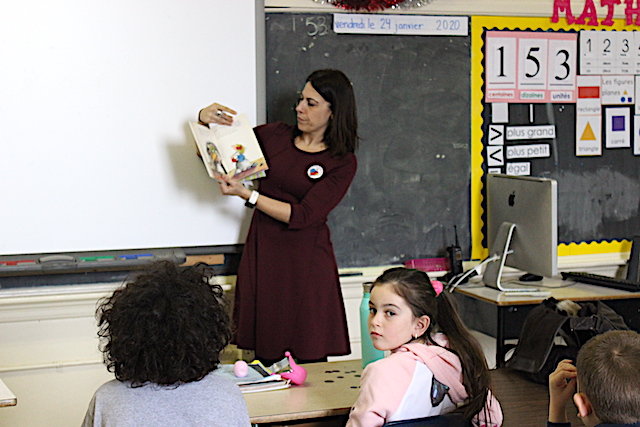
<point x="588" y="134"/>
<point x="625" y="92"/>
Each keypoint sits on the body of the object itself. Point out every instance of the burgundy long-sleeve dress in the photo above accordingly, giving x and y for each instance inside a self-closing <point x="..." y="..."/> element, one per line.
<point x="288" y="293"/>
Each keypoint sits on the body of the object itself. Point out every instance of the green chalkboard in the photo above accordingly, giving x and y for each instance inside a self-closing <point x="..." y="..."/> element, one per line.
<point x="413" y="95"/>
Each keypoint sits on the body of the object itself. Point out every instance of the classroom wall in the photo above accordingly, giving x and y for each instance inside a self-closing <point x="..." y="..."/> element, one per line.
<point x="49" y="354"/>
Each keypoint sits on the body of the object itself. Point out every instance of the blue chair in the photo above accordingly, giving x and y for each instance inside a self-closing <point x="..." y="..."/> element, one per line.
<point x="453" y="419"/>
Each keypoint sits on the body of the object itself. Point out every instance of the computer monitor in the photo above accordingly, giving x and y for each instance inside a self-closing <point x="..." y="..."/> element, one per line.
<point x="522" y="226"/>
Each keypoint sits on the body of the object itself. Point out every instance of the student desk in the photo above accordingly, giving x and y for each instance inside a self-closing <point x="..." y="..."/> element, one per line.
<point x="501" y="316"/>
<point x="6" y="397"/>
<point x="331" y="389"/>
<point x="328" y="393"/>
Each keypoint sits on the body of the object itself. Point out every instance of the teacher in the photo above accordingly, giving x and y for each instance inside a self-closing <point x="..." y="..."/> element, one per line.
<point x="288" y="293"/>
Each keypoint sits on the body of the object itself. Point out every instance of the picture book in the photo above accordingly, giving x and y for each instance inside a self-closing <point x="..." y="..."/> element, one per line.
<point x="230" y="150"/>
<point x="257" y="379"/>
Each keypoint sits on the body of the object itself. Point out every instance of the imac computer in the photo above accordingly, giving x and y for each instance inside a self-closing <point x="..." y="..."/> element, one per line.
<point x="522" y="227"/>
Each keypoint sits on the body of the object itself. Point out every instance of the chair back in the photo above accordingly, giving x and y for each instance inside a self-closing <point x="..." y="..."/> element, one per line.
<point x="454" y="419"/>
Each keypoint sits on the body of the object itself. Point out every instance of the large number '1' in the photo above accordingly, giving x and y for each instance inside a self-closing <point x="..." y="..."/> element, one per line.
<point x="501" y="49"/>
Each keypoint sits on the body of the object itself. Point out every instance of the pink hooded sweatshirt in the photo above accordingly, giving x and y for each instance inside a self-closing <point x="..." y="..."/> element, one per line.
<point x="399" y="387"/>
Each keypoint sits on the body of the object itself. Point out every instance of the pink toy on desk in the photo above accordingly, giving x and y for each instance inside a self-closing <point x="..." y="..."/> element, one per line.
<point x="240" y="369"/>
<point x="297" y="375"/>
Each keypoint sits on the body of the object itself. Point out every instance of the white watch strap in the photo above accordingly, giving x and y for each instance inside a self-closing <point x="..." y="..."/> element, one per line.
<point x="254" y="197"/>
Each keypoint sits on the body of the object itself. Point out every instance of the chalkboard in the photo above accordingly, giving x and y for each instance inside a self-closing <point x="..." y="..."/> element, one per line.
<point x="413" y="96"/>
<point x="599" y="196"/>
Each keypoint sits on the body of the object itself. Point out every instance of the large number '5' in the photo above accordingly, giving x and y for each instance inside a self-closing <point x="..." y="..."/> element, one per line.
<point x="532" y="58"/>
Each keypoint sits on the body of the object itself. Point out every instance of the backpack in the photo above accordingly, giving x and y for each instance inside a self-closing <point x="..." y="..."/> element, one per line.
<point x="537" y="352"/>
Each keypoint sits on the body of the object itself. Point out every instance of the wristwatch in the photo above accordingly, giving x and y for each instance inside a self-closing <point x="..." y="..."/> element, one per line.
<point x="251" y="201"/>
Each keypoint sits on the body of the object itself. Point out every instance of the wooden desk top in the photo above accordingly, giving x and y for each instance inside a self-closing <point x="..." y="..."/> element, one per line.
<point x="332" y="388"/>
<point x="6" y="397"/>
<point x="560" y="289"/>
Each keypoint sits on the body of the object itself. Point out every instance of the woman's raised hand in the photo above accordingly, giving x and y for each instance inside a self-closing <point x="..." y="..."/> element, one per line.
<point x="216" y="113"/>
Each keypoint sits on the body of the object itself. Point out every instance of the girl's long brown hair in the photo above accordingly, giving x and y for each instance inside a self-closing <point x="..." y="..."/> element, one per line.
<point x="416" y="289"/>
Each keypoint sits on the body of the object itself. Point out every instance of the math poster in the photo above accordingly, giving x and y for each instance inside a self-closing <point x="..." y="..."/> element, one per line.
<point x="558" y="100"/>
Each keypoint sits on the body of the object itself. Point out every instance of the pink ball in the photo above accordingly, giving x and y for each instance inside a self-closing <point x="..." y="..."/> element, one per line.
<point x="240" y="369"/>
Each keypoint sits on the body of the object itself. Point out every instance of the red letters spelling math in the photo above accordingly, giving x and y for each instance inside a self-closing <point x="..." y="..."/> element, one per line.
<point x="589" y="14"/>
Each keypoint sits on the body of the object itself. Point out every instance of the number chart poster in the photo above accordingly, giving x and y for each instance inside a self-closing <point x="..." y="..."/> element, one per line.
<point x="540" y="89"/>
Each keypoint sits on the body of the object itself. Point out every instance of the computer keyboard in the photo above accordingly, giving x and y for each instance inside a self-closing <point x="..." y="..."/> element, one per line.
<point x="606" y="281"/>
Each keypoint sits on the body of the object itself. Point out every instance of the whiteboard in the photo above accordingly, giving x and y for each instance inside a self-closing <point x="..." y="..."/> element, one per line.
<point x="95" y="151"/>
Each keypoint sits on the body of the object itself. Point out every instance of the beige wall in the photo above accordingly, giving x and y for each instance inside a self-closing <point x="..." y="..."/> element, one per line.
<point x="49" y="355"/>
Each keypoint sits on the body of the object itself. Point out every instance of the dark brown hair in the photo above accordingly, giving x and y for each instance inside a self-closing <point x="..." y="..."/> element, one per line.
<point x="416" y="289"/>
<point x="341" y="135"/>
<point x="166" y="326"/>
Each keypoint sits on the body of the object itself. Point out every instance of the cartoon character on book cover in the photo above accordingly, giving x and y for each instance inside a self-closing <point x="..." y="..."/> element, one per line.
<point x="241" y="161"/>
<point x="214" y="157"/>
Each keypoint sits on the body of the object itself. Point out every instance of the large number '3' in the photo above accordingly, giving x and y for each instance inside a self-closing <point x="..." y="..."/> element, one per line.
<point x="564" y="64"/>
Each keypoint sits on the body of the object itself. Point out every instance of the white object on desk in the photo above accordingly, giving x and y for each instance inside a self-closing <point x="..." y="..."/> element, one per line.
<point x="6" y="397"/>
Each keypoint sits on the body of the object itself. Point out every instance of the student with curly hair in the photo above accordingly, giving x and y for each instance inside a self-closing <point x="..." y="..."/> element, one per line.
<point x="162" y="334"/>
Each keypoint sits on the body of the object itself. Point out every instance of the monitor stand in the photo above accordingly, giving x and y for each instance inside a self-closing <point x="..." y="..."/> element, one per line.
<point x="500" y="248"/>
<point x="633" y="265"/>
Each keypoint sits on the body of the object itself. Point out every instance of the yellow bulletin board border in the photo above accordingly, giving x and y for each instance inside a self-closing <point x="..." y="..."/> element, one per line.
<point x="478" y="25"/>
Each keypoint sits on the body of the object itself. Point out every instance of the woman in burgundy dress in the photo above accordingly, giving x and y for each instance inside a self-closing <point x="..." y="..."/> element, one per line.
<point x="288" y="292"/>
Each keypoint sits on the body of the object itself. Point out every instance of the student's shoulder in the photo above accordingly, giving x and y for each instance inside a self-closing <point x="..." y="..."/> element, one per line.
<point x="391" y="365"/>
<point x="218" y="382"/>
<point x="112" y="391"/>
<point x="111" y="386"/>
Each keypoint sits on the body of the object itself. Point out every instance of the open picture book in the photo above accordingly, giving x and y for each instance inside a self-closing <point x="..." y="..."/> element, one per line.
<point x="230" y="150"/>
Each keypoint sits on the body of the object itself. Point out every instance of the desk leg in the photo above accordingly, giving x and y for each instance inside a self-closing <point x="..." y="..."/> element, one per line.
<point x="500" y="338"/>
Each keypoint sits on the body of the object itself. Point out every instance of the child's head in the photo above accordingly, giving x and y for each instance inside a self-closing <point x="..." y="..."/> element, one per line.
<point x="608" y="377"/>
<point x="166" y="326"/>
<point x="401" y="308"/>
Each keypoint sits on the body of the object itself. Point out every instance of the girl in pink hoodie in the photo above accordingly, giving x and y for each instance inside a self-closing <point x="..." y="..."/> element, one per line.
<point x="435" y="367"/>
